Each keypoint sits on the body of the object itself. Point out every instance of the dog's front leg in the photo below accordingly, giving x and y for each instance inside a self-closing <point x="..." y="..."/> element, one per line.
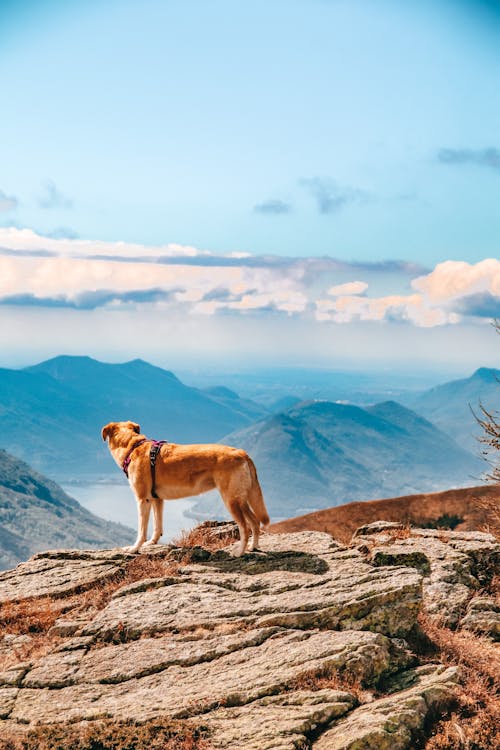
<point x="143" y="511"/>
<point x="157" y="522"/>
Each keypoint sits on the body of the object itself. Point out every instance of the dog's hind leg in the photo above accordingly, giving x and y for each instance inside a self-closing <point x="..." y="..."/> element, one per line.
<point x="234" y="507"/>
<point x="143" y="511"/>
<point x="254" y="525"/>
<point x="157" y="522"/>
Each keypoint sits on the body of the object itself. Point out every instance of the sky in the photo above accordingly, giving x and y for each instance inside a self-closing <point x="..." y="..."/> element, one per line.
<point x="309" y="182"/>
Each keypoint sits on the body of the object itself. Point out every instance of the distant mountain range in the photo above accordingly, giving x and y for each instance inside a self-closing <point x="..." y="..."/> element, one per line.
<point x="319" y="454"/>
<point x="448" y="406"/>
<point x="51" y="414"/>
<point x="309" y="454"/>
<point x="35" y="515"/>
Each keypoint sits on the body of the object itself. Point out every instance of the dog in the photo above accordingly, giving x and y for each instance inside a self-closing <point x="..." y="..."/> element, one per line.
<point x="182" y="471"/>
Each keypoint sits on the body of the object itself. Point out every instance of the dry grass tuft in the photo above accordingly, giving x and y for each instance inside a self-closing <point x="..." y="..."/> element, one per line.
<point x="204" y="535"/>
<point x="108" y="734"/>
<point x="35" y="617"/>
<point x="327" y="677"/>
<point x="402" y="533"/>
<point x="486" y="515"/>
<point x="28" y="616"/>
<point x="473" y="721"/>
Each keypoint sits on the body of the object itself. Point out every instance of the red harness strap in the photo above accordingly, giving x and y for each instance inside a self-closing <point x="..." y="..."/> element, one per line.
<point x="128" y="457"/>
<point x="153" y="453"/>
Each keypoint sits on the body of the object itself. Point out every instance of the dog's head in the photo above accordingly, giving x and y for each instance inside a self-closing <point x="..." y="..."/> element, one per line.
<point x="112" y="429"/>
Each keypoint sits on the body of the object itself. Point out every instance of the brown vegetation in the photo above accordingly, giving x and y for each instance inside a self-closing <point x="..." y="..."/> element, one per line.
<point x="328" y="678"/>
<point x="206" y="535"/>
<point x="465" y="509"/>
<point x="35" y="617"/>
<point x="472" y="723"/>
<point x="108" y="734"/>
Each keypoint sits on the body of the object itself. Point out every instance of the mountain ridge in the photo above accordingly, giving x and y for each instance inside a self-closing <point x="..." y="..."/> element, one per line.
<point x="35" y="513"/>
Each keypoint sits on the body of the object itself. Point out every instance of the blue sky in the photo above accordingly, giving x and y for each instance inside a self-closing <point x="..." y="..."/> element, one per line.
<point x="364" y="132"/>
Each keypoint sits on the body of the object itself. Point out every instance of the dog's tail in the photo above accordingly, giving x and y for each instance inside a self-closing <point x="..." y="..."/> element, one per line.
<point x="256" y="498"/>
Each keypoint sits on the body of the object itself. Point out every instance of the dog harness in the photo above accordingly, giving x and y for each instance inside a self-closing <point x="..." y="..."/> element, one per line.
<point x="153" y="453"/>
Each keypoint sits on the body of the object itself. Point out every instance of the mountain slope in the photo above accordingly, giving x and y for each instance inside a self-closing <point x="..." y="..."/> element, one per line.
<point x="35" y="514"/>
<point x="51" y="414"/>
<point x="447" y="405"/>
<point x="320" y="454"/>
<point x="464" y="509"/>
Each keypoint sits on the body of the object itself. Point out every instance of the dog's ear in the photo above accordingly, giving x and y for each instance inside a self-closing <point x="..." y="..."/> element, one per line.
<point x="135" y="427"/>
<point x="107" y="430"/>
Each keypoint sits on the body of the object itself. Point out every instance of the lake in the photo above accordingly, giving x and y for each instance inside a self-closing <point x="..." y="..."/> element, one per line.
<point x="115" y="502"/>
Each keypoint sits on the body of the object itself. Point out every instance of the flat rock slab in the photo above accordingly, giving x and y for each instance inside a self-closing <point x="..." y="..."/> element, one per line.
<point x="326" y="586"/>
<point x="280" y="722"/>
<point x="72" y="684"/>
<point x="392" y="723"/>
<point x="59" y="573"/>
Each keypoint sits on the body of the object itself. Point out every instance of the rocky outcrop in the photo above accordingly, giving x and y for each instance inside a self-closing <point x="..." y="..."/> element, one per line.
<point x="302" y="644"/>
<point x="457" y="569"/>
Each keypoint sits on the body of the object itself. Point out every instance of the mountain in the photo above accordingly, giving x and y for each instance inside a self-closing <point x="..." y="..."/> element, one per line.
<point x="461" y="509"/>
<point x="448" y="406"/>
<point x="35" y="514"/>
<point x="318" y="454"/>
<point x="51" y="414"/>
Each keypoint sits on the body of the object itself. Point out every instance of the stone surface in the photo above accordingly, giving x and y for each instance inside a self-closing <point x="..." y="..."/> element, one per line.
<point x="59" y="573"/>
<point x="483" y="617"/>
<point x="281" y="722"/>
<point x="238" y="645"/>
<point x="289" y="587"/>
<point x="455" y="565"/>
<point x="392" y="723"/>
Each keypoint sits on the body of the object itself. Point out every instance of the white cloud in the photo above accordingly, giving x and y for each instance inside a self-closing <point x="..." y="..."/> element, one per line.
<point x="454" y="279"/>
<point x="350" y="287"/>
<point x="36" y="270"/>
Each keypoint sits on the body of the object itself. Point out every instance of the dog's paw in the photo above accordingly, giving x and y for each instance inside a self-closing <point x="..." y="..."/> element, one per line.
<point x="131" y="549"/>
<point x="150" y="543"/>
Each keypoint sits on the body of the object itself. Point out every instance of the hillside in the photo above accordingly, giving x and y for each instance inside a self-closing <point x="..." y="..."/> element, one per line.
<point x="318" y="454"/>
<point x="61" y="405"/>
<point x="448" y="406"/>
<point x="468" y="508"/>
<point x="305" y="644"/>
<point x="35" y="514"/>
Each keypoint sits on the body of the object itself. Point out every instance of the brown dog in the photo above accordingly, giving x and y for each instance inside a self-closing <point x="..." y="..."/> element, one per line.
<point x="184" y="470"/>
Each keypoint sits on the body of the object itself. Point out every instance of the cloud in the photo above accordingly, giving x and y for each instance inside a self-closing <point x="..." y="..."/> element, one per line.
<point x="89" y="300"/>
<point x="273" y="207"/>
<point x="7" y="202"/>
<point x="330" y="197"/>
<point x="454" y="279"/>
<point x="393" y="308"/>
<point x="38" y="271"/>
<point x="53" y="197"/>
<point x="451" y="291"/>
<point x="481" y="305"/>
<point x="351" y="287"/>
<point x="485" y="157"/>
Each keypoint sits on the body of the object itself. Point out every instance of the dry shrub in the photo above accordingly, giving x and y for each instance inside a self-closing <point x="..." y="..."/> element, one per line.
<point x="35" y="617"/>
<point x="474" y="719"/>
<point x="108" y="734"/>
<point x="28" y="615"/>
<point x="403" y="533"/>
<point x="485" y="515"/>
<point x="204" y="535"/>
<point x="327" y="677"/>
